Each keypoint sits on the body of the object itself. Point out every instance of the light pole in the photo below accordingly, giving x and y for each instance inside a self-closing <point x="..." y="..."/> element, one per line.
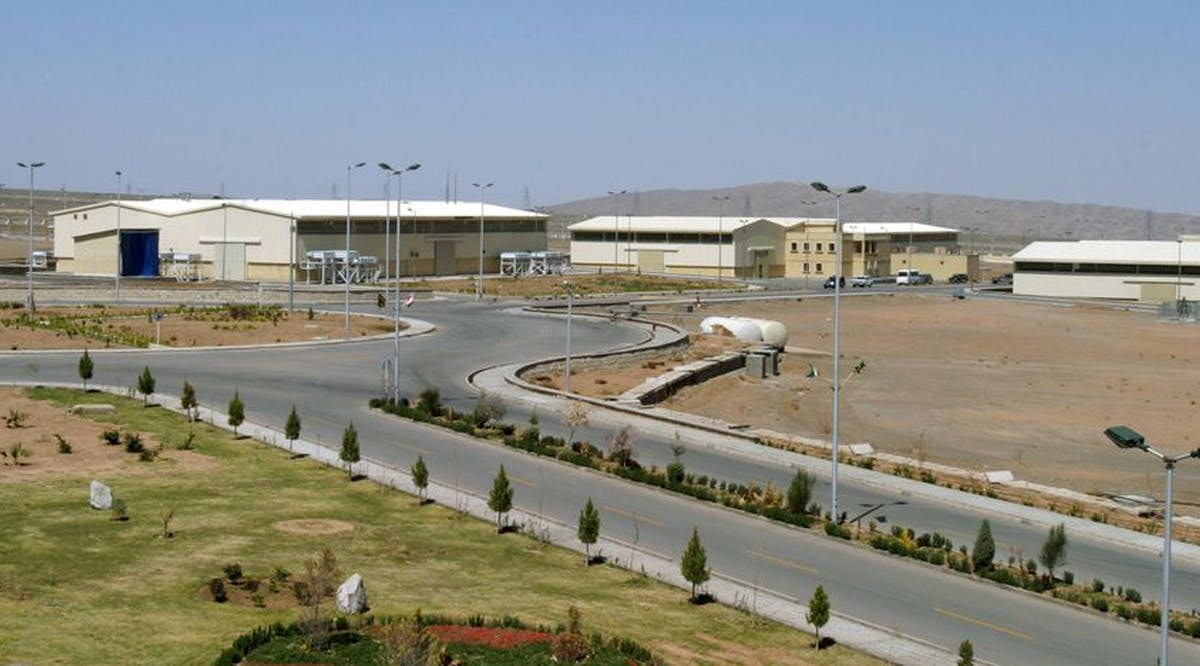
<point x="616" y="195"/>
<point x="346" y="264"/>
<point x="482" y="195"/>
<point x="387" y="217"/>
<point x="118" y="236"/>
<point x="720" y="241"/>
<point x="29" y="306"/>
<point x="396" y="299"/>
<point x="570" y="303"/>
<point x="1128" y="438"/>
<point x="837" y="311"/>
<point x="1178" y="279"/>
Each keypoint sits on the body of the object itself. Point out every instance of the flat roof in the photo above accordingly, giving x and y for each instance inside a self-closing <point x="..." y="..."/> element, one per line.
<point x="685" y="223"/>
<point x="894" y="228"/>
<point x="322" y="209"/>
<point x="1112" y="252"/>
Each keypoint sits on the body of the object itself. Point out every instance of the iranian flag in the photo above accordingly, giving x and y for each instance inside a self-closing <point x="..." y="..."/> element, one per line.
<point x="408" y="301"/>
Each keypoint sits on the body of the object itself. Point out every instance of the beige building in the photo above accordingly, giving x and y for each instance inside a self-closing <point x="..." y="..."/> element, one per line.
<point x="267" y="240"/>
<point x="925" y="247"/>
<point x="1147" y="271"/>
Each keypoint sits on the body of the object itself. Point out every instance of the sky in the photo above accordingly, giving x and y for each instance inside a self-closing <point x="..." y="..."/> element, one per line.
<point x="1083" y="102"/>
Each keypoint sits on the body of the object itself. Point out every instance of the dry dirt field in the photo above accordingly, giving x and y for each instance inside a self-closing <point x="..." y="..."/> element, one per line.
<point x="983" y="384"/>
<point x="181" y="329"/>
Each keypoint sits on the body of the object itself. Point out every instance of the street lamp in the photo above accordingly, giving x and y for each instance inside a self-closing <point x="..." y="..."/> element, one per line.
<point x="1128" y="438"/>
<point x="482" y="195"/>
<point x="720" y="241"/>
<point x="872" y="508"/>
<point x="346" y="264"/>
<point x="29" y="256"/>
<point x="616" y="195"/>
<point x="837" y="309"/>
<point x="118" y="236"/>
<point x="399" y="173"/>
<point x="570" y="302"/>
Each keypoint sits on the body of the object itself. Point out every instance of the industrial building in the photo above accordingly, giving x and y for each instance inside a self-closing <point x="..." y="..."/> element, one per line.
<point x="1147" y="271"/>
<point x="793" y="247"/>
<point x="272" y="240"/>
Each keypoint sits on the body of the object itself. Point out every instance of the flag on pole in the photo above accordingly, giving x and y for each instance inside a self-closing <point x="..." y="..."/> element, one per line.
<point x="409" y="301"/>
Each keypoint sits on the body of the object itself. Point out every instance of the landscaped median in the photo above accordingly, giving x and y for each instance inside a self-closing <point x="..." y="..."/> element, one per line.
<point x="794" y="506"/>
<point x="78" y="585"/>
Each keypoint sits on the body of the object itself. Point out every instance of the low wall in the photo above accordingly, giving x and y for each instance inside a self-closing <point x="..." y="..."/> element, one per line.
<point x="657" y="389"/>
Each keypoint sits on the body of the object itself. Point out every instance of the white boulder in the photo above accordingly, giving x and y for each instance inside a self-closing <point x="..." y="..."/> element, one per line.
<point x="352" y="595"/>
<point x="101" y="496"/>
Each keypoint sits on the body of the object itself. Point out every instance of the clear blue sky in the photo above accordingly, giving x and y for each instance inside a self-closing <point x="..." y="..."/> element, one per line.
<point x="1071" y="101"/>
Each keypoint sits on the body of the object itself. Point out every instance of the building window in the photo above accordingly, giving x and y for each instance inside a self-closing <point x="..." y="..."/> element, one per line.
<point x="85" y="216"/>
<point x="819" y="247"/>
<point x="819" y="271"/>
<point x="806" y="267"/>
<point x="806" y="246"/>
<point x="794" y="247"/>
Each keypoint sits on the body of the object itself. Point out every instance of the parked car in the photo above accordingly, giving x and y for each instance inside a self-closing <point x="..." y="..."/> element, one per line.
<point x="959" y="278"/>
<point x="912" y="276"/>
<point x="829" y="282"/>
<point x="862" y="281"/>
<point x="1002" y="279"/>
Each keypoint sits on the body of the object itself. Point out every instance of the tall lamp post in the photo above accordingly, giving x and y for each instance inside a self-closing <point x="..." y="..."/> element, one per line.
<point x="346" y="264"/>
<point x="837" y="311"/>
<point x="118" y="236"/>
<point x="720" y="241"/>
<point x="399" y="173"/>
<point x="29" y="306"/>
<point x="570" y="302"/>
<point x="1128" y="438"/>
<point x="616" y="195"/>
<point x="482" y="195"/>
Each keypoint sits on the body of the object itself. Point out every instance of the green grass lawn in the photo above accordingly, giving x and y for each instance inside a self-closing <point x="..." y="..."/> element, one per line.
<point x="79" y="588"/>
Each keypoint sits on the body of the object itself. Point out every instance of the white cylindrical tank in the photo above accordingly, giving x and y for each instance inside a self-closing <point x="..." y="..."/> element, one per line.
<point x="737" y="327"/>
<point x="774" y="333"/>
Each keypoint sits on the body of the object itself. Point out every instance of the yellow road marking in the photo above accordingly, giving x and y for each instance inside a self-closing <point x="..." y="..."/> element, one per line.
<point x="641" y="518"/>
<point x="523" y="482"/>
<point x="983" y="623"/>
<point x="779" y="560"/>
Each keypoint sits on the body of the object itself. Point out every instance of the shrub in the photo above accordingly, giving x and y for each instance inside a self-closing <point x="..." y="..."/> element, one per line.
<point x="1069" y="577"/>
<point x="233" y="572"/>
<point x="1148" y="615"/>
<point x="1132" y="596"/>
<point x="833" y="529"/>
<point x="119" y="511"/>
<point x="147" y="455"/>
<point x="1097" y="585"/>
<point x="430" y="401"/>
<point x="258" y="600"/>
<point x="1124" y="612"/>
<point x="133" y="442"/>
<point x="15" y="419"/>
<point x="1100" y="603"/>
<point x="111" y="437"/>
<point x="216" y="587"/>
<point x="63" y="445"/>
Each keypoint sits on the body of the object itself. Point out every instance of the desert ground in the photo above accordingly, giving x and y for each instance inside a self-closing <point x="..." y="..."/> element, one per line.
<point x="980" y="383"/>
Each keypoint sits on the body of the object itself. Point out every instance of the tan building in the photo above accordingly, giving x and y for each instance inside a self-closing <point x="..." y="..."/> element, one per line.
<point x="267" y="240"/>
<point x="812" y="251"/>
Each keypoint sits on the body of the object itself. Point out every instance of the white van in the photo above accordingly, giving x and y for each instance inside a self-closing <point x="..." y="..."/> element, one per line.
<point x="912" y="276"/>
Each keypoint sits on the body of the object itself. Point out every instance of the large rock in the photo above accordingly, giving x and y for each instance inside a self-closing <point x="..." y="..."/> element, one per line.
<point x="352" y="595"/>
<point x="101" y="496"/>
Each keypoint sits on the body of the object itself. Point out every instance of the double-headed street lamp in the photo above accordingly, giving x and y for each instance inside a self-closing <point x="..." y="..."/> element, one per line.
<point x="346" y="264"/>
<point x="1128" y="438"/>
<point x="482" y="195"/>
<point x="837" y="309"/>
<point x="720" y="241"/>
<point x="399" y="173"/>
<point x="29" y="306"/>
<point x="616" y="195"/>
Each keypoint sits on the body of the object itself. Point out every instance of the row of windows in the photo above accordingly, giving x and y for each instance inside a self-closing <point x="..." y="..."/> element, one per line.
<point x="650" y="237"/>
<point x="426" y="226"/>
<point x="807" y="247"/>
<point x="1110" y="269"/>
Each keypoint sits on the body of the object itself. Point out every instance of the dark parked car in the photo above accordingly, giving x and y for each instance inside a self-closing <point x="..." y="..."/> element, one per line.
<point x="958" y="278"/>
<point x="1002" y="279"/>
<point x="830" y="280"/>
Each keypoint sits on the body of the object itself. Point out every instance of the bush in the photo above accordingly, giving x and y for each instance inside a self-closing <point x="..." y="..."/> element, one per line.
<point x="63" y="445"/>
<point x="1148" y="615"/>
<point x="233" y="572"/>
<point x="119" y="511"/>
<point x="216" y="587"/>
<point x="111" y="437"/>
<point x="1097" y="585"/>
<point x="1124" y="612"/>
<point x="147" y="455"/>
<point x="833" y="529"/>
<point x="1100" y="603"/>
<point x="1132" y="596"/>
<point x="133" y="442"/>
<point x="1069" y="577"/>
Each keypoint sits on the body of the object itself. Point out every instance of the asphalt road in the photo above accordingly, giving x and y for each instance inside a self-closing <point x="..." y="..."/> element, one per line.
<point x="330" y="386"/>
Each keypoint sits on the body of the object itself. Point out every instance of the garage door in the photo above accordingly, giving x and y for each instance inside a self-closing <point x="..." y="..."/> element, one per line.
<point x="443" y="258"/>
<point x="651" y="261"/>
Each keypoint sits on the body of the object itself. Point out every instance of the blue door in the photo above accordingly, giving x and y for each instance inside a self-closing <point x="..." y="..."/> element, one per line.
<point x="139" y="253"/>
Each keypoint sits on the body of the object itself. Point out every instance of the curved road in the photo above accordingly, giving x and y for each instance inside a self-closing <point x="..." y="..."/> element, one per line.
<point x="330" y="385"/>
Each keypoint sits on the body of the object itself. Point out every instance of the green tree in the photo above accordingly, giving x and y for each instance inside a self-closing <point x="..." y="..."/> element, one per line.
<point x="349" y="453"/>
<point x="500" y="499"/>
<point x="188" y="401"/>
<point x="145" y="385"/>
<point x="818" y="612"/>
<point x="966" y="654"/>
<point x="589" y="528"/>
<point x="985" y="547"/>
<point x="1054" y="550"/>
<point x="799" y="493"/>
<point x="237" y="412"/>
<point x="694" y="566"/>
<point x="291" y="429"/>
<point x="85" y="368"/>
<point x="420" y="478"/>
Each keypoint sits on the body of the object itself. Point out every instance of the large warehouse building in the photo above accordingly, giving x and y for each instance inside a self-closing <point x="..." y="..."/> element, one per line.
<point x="1148" y="271"/>
<point x="793" y="247"/>
<point x="266" y="240"/>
